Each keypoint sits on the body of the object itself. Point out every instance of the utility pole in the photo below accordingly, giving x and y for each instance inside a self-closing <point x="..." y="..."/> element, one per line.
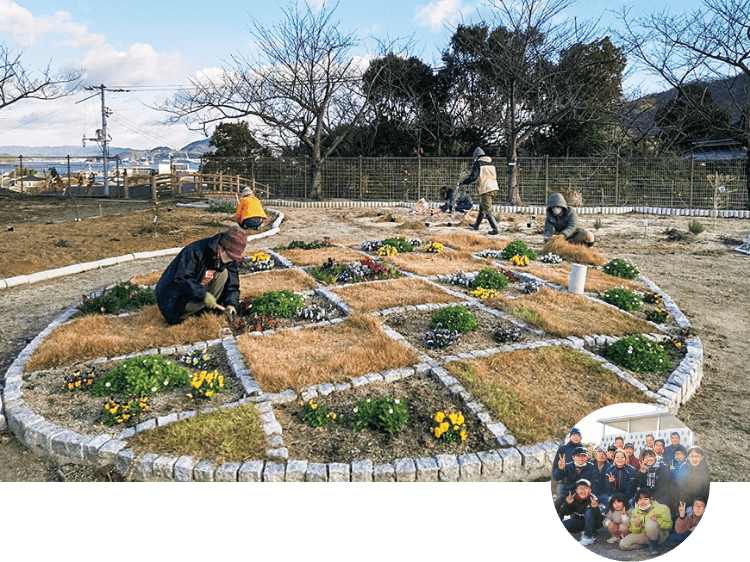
<point x="102" y="137"/>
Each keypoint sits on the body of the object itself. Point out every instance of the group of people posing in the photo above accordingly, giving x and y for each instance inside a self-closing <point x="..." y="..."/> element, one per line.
<point x="654" y="498"/>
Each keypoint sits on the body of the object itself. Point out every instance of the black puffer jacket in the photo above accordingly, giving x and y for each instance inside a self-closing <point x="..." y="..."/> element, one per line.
<point x="181" y="281"/>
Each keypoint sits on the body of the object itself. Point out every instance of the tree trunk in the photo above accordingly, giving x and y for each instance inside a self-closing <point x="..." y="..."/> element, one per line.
<point x="514" y="197"/>
<point x="316" y="187"/>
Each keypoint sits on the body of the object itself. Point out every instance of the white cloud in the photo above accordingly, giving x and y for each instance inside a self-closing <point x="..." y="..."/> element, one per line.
<point x="17" y="23"/>
<point x="439" y="13"/>
<point x="139" y="65"/>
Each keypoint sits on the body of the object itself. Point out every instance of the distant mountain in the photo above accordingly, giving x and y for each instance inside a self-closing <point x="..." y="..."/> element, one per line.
<point x="193" y="150"/>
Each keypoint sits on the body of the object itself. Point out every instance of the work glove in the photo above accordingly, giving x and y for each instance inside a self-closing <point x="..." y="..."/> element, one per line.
<point x="231" y="313"/>
<point x="209" y="300"/>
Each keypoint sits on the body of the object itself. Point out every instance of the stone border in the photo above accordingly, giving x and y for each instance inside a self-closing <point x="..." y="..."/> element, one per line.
<point x="507" y="463"/>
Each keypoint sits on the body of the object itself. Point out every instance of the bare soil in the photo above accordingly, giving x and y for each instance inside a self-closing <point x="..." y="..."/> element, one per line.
<point x="702" y="273"/>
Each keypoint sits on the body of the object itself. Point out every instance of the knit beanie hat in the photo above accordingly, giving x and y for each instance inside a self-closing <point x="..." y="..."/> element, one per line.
<point x="234" y="240"/>
<point x="247" y="191"/>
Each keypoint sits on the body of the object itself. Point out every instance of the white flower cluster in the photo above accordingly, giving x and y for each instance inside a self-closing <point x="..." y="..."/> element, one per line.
<point x="313" y="312"/>
<point x="371" y="245"/>
<point x="531" y="286"/>
<point x="550" y="258"/>
<point x="460" y="279"/>
<point x="416" y="242"/>
<point x="493" y="254"/>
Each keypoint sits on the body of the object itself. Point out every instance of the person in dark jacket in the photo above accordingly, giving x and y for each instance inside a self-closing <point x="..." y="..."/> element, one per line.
<point x="656" y="478"/>
<point x="456" y="199"/>
<point x="583" y="509"/>
<point x="570" y="473"/>
<point x="693" y="478"/>
<point x="680" y="458"/>
<point x="566" y="450"/>
<point x="485" y="174"/>
<point x="562" y="220"/>
<point x="203" y="275"/>
<point x="599" y="485"/>
<point x="668" y="455"/>
<point x="621" y="477"/>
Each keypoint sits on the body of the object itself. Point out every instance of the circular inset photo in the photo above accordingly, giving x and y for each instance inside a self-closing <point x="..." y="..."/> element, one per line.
<point x="630" y="482"/>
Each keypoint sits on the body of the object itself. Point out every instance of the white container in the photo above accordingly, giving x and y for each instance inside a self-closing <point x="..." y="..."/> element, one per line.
<point x="577" y="279"/>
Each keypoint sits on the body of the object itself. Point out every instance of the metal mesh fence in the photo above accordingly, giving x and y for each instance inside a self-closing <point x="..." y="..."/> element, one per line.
<point x="605" y="182"/>
<point x="590" y="182"/>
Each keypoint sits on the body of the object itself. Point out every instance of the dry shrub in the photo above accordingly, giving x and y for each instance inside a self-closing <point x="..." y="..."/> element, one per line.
<point x="565" y="314"/>
<point x="470" y="241"/>
<point x="576" y="253"/>
<point x="301" y="257"/>
<point x="276" y="280"/>
<point x="90" y="337"/>
<point x="596" y="281"/>
<point x="434" y="264"/>
<point x="297" y="359"/>
<point x="147" y="279"/>
<point x="369" y="297"/>
<point x="412" y="224"/>
<point x="572" y="196"/>
<point x="539" y="394"/>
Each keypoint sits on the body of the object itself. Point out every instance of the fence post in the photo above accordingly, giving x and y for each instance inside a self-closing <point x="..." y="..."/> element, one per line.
<point x="617" y="180"/>
<point x="153" y="185"/>
<point x="419" y="176"/>
<point x="125" y="184"/>
<point x="238" y="184"/>
<point x="692" y="172"/>
<point x="70" y="181"/>
<point x="361" y="178"/>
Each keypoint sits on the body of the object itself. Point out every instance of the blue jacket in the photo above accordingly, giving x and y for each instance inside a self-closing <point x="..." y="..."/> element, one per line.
<point x="565" y="449"/>
<point x="626" y="480"/>
<point x="181" y="281"/>
<point x="572" y="474"/>
<point x="692" y="482"/>
<point x="599" y="486"/>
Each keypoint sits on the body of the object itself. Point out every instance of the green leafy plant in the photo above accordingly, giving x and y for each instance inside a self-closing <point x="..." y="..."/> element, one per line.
<point x="518" y="248"/>
<point x="230" y="208"/>
<point x="315" y="415"/>
<point x="78" y="381"/>
<point x="695" y="227"/>
<point x="638" y="354"/>
<point x="276" y="304"/>
<point x="598" y="224"/>
<point x="455" y="318"/>
<point x="490" y="279"/>
<point x="142" y="376"/>
<point x="384" y="414"/>
<point x="620" y="268"/>
<point x="123" y="296"/>
<point x="622" y="298"/>
<point x="652" y="298"/>
<point x="400" y="244"/>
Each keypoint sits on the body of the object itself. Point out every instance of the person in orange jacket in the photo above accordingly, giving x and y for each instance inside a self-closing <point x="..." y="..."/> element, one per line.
<point x="250" y="213"/>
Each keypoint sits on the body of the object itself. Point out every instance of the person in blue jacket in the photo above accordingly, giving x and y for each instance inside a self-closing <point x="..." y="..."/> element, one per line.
<point x="621" y="477"/>
<point x="566" y="450"/>
<point x="570" y="473"/>
<point x="599" y="486"/>
<point x="203" y="275"/>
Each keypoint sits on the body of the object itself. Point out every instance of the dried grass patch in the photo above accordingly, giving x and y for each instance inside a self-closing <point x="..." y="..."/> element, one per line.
<point x="301" y="257"/>
<point x="277" y="280"/>
<point x="147" y="279"/>
<point x="90" y="337"/>
<point x="565" y="314"/>
<point x="471" y="242"/>
<point x="596" y="281"/>
<point x="539" y="394"/>
<point x="297" y="359"/>
<point x="224" y="435"/>
<point x="369" y="297"/>
<point x="436" y="264"/>
<point x="576" y="253"/>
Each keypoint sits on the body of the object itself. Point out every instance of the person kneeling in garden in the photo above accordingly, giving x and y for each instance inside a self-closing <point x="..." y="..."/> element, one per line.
<point x="650" y="522"/>
<point x="204" y="275"/>
<point x="584" y="512"/>
<point x="456" y="199"/>
<point x="250" y="213"/>
<point x="562" y="220"/>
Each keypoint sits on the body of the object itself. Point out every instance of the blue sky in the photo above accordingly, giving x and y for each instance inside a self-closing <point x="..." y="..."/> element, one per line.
<point x="155" y="46"/>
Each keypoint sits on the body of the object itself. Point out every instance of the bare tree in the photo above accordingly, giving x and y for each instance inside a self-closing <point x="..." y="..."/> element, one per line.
<point x="710" y="44"/>
<point x="301" y="88"/>
<point x="531" y="91"/>
<point x="18" y="83"/>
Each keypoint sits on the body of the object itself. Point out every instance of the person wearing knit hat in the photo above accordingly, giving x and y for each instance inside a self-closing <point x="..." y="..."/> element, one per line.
<point x="204" y="275"/>
<point x="566" y="450"/>
<point x="250" y="213"/>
